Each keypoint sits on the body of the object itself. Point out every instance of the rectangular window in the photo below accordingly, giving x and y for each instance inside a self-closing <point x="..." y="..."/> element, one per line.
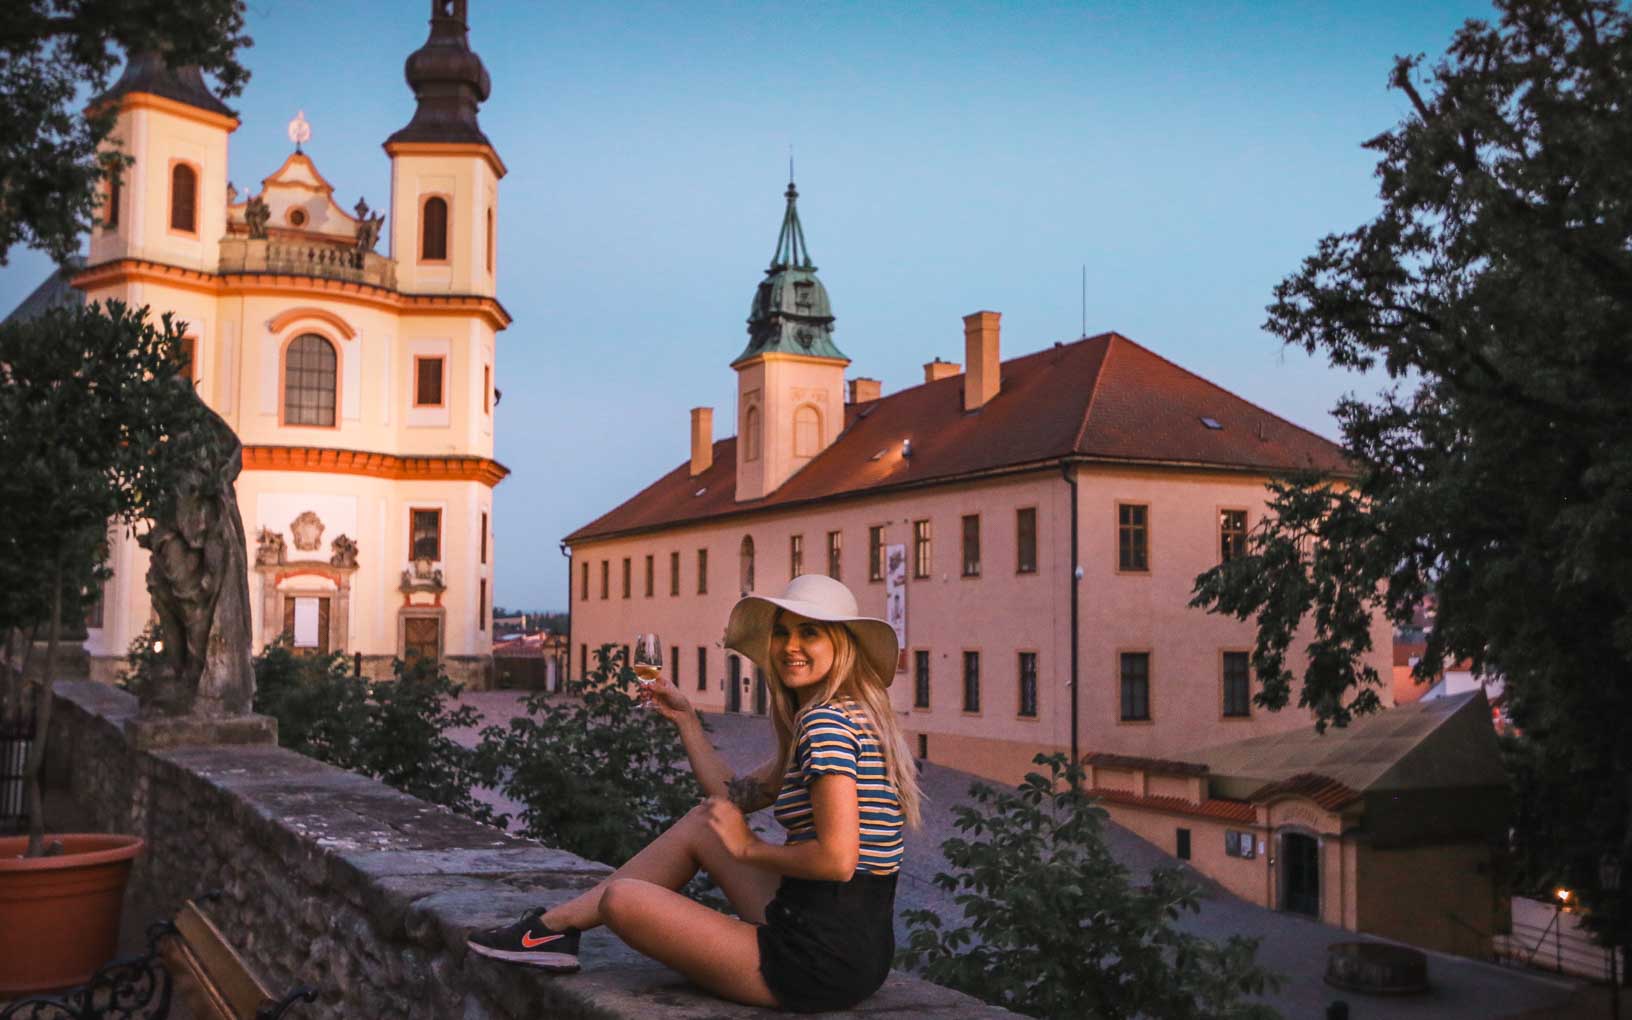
<point x="1237" y="685"/>
<point x="651" y="574"/>
<point x="487" y="389"/>
<point x="185" y="356"/>
<point x="702" y="571"/>
<point x="484" y="536"/>
<point x="920" y="678"/>
<point x="628" y="571"/>
<point x="1025" y="540"/>
<point x="971" y="545"/>
<point x="1028" y="684"/>
<point x="583" y="581"/>
<point x="875" y="553"/>
<point x="1181" y="844"/>
<point x="674" y="573"/>
<point x="702" y="668"/>
<point x="921" y="549"/>
<point x="1132" y="537"/>
<point x="425" y="535"/>
<point x="923" y="746"/>
<point x="116" y="186"/>
<point x="606" y="578"/>
<point x="971" y="681"/>
<point x="1238" y="844"/>
<point x="481" y="604"/>
<point x="1135" y="686"/>
<point x="835" y="549"/>
<point x="583" y="660"/>
<point x="1232" y="535"/>
<point x="796" y="555"/>
<point x="674" y="665"/>
<point x="428" y="382"/>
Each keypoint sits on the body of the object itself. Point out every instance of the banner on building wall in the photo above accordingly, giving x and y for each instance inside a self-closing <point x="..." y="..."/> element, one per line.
<point x="895" y="598"/>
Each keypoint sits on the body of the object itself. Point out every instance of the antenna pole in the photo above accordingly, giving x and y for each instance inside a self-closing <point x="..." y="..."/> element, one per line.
<point x="1085" y="299"/>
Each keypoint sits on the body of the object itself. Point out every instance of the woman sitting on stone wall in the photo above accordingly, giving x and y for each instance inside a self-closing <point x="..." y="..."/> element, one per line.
<point x="817" y="912"/>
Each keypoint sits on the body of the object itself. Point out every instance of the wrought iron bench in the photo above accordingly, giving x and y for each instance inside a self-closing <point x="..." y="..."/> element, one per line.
<point x="187" y="955"/>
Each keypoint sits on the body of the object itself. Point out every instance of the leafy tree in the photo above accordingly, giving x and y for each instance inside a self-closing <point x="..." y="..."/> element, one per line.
<point x="1495" y="288"/>
<point x="393" y="730"/>
<point x="1055" y="928"/>
<point x="52" y="52"/>
<point x="94" y="422"/>
<point x="598" y="774"/>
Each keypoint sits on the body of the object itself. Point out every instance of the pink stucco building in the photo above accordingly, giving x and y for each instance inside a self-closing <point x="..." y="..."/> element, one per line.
<point x="1028" y="524"/>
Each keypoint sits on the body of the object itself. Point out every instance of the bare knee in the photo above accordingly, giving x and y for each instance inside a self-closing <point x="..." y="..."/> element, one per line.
<point x="619" y="899"/>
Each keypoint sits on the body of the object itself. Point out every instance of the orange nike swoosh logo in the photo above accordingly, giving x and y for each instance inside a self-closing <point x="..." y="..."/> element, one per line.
<point x="528" y="942"/>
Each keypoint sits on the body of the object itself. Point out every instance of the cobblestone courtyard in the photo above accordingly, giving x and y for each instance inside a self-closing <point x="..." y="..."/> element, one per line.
<point x="1293" y="946"/>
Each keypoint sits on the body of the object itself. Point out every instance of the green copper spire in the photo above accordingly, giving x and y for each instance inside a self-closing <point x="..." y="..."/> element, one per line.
<point x="791" y="313"/>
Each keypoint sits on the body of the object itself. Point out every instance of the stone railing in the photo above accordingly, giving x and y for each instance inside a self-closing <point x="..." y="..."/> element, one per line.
<point x="337" y="881"/>
<point x="306" y="258"/>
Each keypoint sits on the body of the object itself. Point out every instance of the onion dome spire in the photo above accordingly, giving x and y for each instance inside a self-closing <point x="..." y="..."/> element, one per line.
<point x="791" y="313"/>
<point x="449" y="81"/>
<point x="146" y="71"/>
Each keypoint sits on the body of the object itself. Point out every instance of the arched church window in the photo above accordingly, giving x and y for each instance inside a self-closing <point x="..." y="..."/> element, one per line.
<point x="750" y="434"/>
<point x="183" y="198"/>
<point x="807" y="431"/>
<point x="433" y="230"/>
<point x="747" y="557"/>
<point x="309" y="376"/>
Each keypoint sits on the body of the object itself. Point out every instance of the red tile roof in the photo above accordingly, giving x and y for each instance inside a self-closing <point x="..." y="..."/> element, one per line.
<point x="1227" y="810"/>
<point x="1133" y="761"/>
<point x="1328" y="793"/>
<point x="1103" y="398"/>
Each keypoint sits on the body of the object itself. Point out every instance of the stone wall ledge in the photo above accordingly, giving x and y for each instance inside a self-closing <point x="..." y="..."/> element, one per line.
<point x="335" y="880"/>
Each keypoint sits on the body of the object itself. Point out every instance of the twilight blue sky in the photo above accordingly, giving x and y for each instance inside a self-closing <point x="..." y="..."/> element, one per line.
<point x="951" y="157"/>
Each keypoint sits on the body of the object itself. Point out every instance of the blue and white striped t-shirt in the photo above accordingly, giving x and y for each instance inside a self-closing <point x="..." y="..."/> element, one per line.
<point x="835" y="739"/>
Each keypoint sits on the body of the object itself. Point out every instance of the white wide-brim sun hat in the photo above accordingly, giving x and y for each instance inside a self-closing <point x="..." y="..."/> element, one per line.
<point x="818" y="597"/>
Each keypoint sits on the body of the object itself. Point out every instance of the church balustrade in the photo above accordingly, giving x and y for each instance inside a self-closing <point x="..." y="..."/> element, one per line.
<point x="307" y="258"/>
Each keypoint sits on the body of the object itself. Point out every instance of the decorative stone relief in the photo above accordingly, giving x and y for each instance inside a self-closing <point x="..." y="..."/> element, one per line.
<point x="344" y="552"/>
<point x="308" y="531"/>
<point x="423" y="577"/>
<point x="269" y="548"/>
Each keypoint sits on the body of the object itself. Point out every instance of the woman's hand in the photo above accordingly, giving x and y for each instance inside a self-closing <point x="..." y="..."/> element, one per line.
<point x="728" y="823"/>
<point x="665" y="699"/>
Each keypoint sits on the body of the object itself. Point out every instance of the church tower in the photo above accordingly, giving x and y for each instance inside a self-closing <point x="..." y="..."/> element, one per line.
<point x="170" y="204"/>
<point x="444" y="172"/>
<point x="790" y="377"/>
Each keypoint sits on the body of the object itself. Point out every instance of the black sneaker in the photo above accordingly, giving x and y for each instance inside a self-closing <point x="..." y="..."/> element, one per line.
<point x="530" y="941"/>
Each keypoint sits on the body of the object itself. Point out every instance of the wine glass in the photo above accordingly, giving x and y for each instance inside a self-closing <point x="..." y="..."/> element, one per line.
<point x="648" y="664"/>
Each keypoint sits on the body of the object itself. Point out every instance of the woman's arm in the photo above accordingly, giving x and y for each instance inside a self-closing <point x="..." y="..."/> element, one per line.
<point x="751" y="792"/>
<point x="831" y="856"/>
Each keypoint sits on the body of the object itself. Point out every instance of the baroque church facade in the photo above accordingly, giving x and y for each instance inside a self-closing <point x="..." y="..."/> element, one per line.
<point x="361" y="384"/>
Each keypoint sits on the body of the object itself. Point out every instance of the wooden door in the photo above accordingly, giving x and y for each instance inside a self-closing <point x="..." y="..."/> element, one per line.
<point x="421" y="637"/>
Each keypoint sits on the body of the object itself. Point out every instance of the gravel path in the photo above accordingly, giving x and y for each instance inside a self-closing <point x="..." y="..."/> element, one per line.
<point x="1293" y="946"/>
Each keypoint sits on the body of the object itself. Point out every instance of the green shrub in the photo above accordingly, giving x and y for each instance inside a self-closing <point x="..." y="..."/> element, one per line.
<point x="393" y="730"/>
<point x="1055" y="929"/>
<point x="598" y="774"/>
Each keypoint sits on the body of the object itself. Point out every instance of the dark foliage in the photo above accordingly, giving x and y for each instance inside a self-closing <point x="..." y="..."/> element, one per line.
<point x="394" y="730"/>
<point x="1054" y="928"/>
<point x="1495" y="288"/>
<point x="55" y="52"/>
<point x="598" y="774"/>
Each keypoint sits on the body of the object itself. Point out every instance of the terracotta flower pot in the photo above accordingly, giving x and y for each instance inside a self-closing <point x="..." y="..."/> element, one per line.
<point x="59" y="916"/>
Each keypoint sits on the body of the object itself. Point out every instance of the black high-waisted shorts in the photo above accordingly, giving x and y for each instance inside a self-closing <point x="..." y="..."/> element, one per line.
<point x="828" y="945"/>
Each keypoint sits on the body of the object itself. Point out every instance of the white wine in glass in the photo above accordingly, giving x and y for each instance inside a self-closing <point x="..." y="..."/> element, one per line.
<point x="648" y="664"/>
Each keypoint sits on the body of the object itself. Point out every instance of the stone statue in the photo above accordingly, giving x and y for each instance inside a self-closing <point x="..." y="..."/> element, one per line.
<point x="269" y="548"/>
<point x="368" y="227"/>
<point x="199" y="583"/>
<point x="256" y="214"/>
<point x="344" y="552"/>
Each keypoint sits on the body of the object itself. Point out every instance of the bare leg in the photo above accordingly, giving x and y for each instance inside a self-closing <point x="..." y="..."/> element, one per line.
<point x="718" y="953"/>
<point x="670" y="861"/>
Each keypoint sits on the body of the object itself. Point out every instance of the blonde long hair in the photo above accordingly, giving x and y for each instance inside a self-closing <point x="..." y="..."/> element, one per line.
<point x="850" y="677"/>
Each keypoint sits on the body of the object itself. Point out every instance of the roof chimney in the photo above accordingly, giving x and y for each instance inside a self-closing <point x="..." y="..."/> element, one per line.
<point x="863" y="390"/>
<point x="982" y="381"/>
<point x="939" y="369"/>
<point x="702" y="440"/>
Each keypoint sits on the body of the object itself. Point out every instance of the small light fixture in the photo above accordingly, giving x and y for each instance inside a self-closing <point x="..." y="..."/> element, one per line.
<point x="1563" y="896"/>
<point x="906" y="447"/>
<point x="158" y="646"/>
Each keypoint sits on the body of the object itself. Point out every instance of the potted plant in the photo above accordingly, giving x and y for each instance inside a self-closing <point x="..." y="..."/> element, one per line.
<point x="94" y="411"/>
